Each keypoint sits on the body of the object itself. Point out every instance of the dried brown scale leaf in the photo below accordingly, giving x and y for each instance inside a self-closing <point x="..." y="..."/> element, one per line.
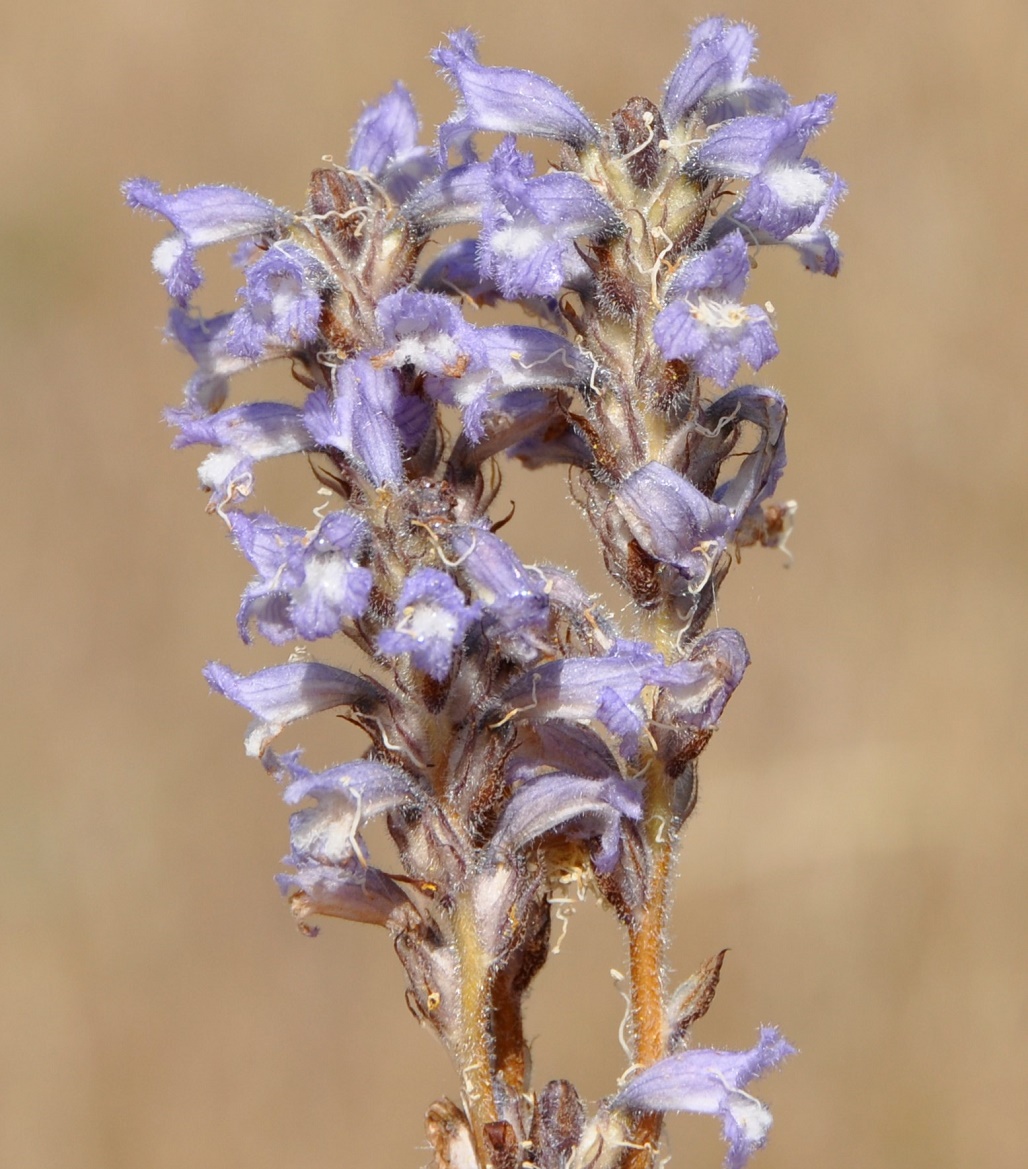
<point x="637" y="129"/>
<point x="618" y="296"/>
<point x="502" y="1144"/>
<point x="642" y="576"/>
<point x="693" y="998"/>
<point x="558" y="1122"/>
<point x="335" y="200"/>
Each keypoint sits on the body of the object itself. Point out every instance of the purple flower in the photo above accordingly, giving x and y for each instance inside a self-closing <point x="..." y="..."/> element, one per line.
<point x="385" y="144"/>
<point x="529" y="226"/>
<point x="360" y="418"/>
<point x="281" y="303"/>
<point x="206" y="339"/>
<point x="817" y="245"/>
<point x="786" y="192"/>
<point x="427" y="331"/>
<point x="350" y="890"/>
<point x="432" y="616"/>
<point x="714" y="76"/>
<point x="760" y="470"/>
<point x="241" y="436"/>
<point x="512" y="101"/>
<point x="515" y="608"/>
<point x="455" y="196"/>
<point x="712" y="1082"/>
<point x="605" y="689"/>
<point x="529" y="223"/>
<point x="308" y="582"/>
<point x="673" y="521"/>
<point x="327" y="851"/>
<point x="455" y="270"/>
<point x="280" y="695"/>
<point x="696" y="689"/>
<point x="201" y="216"/>
<point x="512" y="357"/>
<point x="704" y="321"/>
<point x="563" y="746"/>
<point x="345" y="797"/>
<point x="584" y="809"/>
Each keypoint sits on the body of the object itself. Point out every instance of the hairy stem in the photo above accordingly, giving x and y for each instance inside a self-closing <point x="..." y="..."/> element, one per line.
<point x="647" y="947"/>
<point x="476" y="1055"/>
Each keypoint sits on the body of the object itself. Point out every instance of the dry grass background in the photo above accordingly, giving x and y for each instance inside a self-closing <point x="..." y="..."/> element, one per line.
<point x="860" y="842"/>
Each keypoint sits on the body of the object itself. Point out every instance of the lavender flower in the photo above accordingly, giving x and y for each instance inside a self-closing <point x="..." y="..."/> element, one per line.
<point x="518" y="736"/>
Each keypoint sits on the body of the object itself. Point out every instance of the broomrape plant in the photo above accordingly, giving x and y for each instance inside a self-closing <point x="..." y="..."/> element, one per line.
<point x="520" y="740"/>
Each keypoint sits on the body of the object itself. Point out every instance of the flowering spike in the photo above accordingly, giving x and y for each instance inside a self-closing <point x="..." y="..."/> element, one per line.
<point x="523" y="744"/>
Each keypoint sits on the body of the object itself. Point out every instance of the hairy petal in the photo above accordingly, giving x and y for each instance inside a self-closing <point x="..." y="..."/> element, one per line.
<point x="712" y="1082"/>
<point x="714" y="76"/>
<point x="201" y="216"/>
<point x="513" y="357"/>
<point x="787" y="192"/>
<point x="512" y="101"/>
<point x="352" y="891"/>
<point x="529" y="225"/>
<point x="206" y="340"/>
<point x="580" y="808"/>
<point x="279" y="695"/>
<point x="360" y="418"/>
<point x="281" y="304"/>
<point x="432" y="616"/>
<point x="704" y="322"/>
<point x="385" y="144"/>
<point x="513" y="600"/>
<point x="242" y="436"/>
<point x="427" y="331"/>
<point x="672" y="520"/>
<point x="308" y="582"/>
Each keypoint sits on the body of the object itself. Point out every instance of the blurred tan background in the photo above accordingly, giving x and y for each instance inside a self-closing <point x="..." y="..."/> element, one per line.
<point x="860" y="842"/>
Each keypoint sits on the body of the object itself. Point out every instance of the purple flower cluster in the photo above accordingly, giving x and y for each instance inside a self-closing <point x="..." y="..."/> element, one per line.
<point x="519" y="740"/>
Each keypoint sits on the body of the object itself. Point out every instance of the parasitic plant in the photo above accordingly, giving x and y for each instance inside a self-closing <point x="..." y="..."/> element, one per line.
<point x="519" y="738"/>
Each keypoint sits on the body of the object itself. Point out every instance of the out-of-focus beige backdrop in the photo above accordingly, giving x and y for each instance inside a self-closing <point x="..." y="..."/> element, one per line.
<point x="860" y="841"/>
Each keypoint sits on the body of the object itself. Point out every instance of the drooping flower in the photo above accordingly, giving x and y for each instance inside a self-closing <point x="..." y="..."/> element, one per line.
<point x="712" y="1082"/>
<point x="582" y="808"/>
<point x="201" y="216"/>
<point x="241" y="436"/>
<point x="673" y="521"/>
<point x="279" y="695"/>
<point x="205" y="339"/>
